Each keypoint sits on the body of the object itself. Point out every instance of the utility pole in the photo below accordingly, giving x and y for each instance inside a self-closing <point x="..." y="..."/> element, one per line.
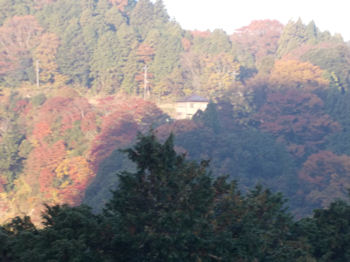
<point x="37" y="74"/>
<point x="146" y="91"/>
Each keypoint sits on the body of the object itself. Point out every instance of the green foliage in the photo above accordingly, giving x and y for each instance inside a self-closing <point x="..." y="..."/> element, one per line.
<point x="73" y="55"/>
<point x="338" y="107"/>
<point x="58" y="16"/>
<point x="166" y="190"/>
<point x="209" y="117"/>
<point x="246" y="155"/>
<point x="9" y="8"/>
<point x="104" y="45"/>
<point x="39" y="99"/>
<point x="142" y="18"/>
<point x="253" y="223"/>
<point x="11" y="163"/>
<point x="70" y="234"/>
<point x="215" y="43"/>
<point x="167" y="55"/>
<point x="335" y="59"/>
<point x="169" y="209"/>
<point x="328" y="232"/>
<point x="75" y="140"/>
<point x="295" y="34"/>
<point x="13" y="146"/>
<point x="100" y="190"/>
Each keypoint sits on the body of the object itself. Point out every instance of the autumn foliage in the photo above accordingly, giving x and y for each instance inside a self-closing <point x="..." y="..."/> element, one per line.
<point x="119" y="127"/>
<point x="293" y="73"/>
<point x="327" y="176"/>
<point x="297" y="119"/>
<point x="260" y="37"/>
<point x="120" y="4"/>
<point x="18" y="35"/>
<point x="72" y="75"/>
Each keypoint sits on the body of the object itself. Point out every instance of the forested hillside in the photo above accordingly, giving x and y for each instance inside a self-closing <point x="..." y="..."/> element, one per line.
<point x="79" y="79"/>
<point x="172" y="209"/>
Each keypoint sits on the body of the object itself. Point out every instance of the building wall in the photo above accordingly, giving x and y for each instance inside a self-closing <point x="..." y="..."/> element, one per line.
<point x="186" y="110"/>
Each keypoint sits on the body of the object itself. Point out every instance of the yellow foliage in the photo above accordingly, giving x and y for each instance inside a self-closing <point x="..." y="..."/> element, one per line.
<point x="3" y="195"/>
<point x="45" y="55"/>
<point x="75" y="170"/>
<point x="293" y="73"/>
<point x="22" y="188"/>
<point x="62" y="169"/>
<point x="65" y="183"/>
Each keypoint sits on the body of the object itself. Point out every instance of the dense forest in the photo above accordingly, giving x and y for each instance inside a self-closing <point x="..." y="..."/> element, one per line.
<point x="79" y="80"/>
<point x="172" y="209"/>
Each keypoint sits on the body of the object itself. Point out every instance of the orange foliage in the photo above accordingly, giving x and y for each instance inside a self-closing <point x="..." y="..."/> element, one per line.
<point x="74" y="176"/>
<point x="118" y="128"/>
<point x="67" y="110"/>
<point x="297" y="119"/>
<point x="54" y="107"/>
<point x="23" y="107"/>
<point x="186" y="44"/>
<point x="18" y="36"/>
<point x="46" y="156"/>
<point x="120" y="4"/>
<point x="145" y="53"/>
<point x="45" y="181"/>
<point x="41" y="130"/>
<point x="177" y="127"/>
<point x="260" y="38"/>
<point x="20" y="33"/>
<point x="56" y="170"/>
<point x="293" y="73"/>
<point x="41" y="164"/>
<point x="319" y="167"/>
<point x="325" y="176"/>
<point x="140" y="109"/>
<point x="45" y="53"/>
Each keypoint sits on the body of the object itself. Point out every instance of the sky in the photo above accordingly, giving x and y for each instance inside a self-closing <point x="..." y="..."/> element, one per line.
<point x="329" y="15"/>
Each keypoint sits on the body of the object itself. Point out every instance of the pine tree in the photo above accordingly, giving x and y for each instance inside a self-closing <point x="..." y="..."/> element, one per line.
<point x="73" y="56"/>
<point x="161" y="212"/>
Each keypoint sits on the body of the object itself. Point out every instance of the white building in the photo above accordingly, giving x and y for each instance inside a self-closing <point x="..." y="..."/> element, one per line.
<point x="187" y="107"/>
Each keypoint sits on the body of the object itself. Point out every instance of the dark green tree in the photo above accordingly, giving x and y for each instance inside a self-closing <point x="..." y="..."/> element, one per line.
<point x="335" y="60"/>
<point x="11" y="161"/>
<point x="209" y="118"/>
<point x="9" y="8"/>
<point x="70" y="234"/>
<point x="73" y="56"/>
<point x="142" y="18"/>
<point x="58" y="15"/>
<point x="216" y="42"/>
<point x="328" y="232"/>
<point x="162" y="211"/>
<point x="255" y="227"/>
<point x="13" y="144"/>
<point x="296" y="34"/>
<point x="160" y="13"/>
<point x="338" y="107"/>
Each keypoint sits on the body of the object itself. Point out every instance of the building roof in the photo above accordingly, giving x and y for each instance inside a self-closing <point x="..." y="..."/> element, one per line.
<point x="193" y="98"/>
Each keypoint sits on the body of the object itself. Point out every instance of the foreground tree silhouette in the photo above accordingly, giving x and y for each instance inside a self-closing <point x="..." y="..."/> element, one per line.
<point x="162" y="211"/>
<point x="172" y="209"/>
